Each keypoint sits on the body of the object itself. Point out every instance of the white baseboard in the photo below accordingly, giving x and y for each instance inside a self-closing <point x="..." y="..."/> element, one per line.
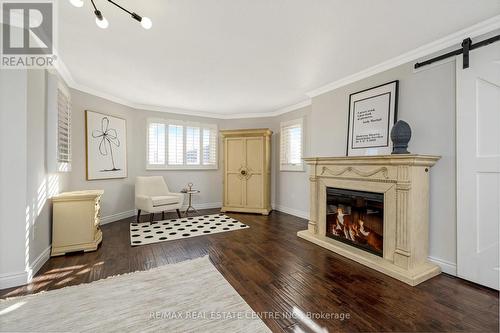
<point x="133" y="212"/>
<point x="446" y="266"/>
<point x="118" y="216"/>
<point x="208" y="205"/>
<point x="9" y="280"/>
<point x="292" y="211"/>
<point x="38" y="263"/>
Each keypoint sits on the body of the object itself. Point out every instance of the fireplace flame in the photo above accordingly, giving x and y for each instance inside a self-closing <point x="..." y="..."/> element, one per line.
<point x="354" y="230"/>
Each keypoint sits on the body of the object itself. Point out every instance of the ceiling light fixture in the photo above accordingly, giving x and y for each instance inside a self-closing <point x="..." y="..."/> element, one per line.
<point x="77" y="3"/>
<point x="145" y="21"/>
<point x="101" y="21"/>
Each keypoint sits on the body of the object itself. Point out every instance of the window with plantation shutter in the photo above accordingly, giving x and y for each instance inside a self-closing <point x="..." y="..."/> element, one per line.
<point x="210" y="146"/>
<point x="181" y="145"/>
<point x="63" y="127"/>
<point x="291" y="146"/>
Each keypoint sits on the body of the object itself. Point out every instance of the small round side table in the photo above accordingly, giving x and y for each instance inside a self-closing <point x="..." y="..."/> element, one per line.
<point x="190" y="206"/>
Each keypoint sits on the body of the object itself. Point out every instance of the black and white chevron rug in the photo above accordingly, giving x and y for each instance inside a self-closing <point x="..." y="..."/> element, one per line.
<point x="162" y="231"/>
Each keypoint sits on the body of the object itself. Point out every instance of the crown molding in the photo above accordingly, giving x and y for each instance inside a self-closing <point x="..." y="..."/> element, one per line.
<point x="65" y="74"/>
<point x="293" y="107"/>
<point x="68" y="78"/>
<point x="453" y="39"/>
<point x="475" y="30"/>
<point x="63" y="71"/>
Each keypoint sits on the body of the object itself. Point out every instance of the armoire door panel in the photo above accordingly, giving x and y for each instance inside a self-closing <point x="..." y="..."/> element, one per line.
<point x="234" y="190"/>
<point x="255" y="154"/>
<point x="235" y="154"/>
<point x="254" y="191"/>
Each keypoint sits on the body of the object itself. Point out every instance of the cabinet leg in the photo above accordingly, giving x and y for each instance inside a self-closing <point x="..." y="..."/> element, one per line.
<point x="178" y="213"/>
<point x="138" y="215"/>
<point x="151" y="217"/>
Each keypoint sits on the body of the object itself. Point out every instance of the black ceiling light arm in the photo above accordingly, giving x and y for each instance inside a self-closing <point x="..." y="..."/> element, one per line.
<point x="101" y="21"/>
<point x="97" y="12"/>
<point x="466" y="47"/>
<point x="134" y="15"/>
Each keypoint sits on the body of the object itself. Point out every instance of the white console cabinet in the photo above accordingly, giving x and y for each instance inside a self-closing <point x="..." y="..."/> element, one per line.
<point x="75" y="222"/>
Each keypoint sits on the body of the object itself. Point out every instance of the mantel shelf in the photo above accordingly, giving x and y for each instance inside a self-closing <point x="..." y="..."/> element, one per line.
<point x="406" y="159"/>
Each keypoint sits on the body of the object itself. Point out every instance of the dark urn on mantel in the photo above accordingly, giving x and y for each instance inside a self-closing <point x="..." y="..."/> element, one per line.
<point x="400" y="136"/>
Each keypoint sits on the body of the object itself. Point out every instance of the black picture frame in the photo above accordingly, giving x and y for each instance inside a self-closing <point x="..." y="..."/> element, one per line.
<point x="391" y="88"/>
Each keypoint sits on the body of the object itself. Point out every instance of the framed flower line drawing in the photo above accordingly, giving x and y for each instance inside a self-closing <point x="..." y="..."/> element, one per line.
<point x="106" y="146"/>
<point x="372" y="113"/>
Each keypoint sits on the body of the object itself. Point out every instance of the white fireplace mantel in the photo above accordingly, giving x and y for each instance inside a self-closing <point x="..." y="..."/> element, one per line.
<point x="404" y="182"/>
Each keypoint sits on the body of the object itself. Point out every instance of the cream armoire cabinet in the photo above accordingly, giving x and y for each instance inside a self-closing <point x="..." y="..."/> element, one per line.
<point x="247" y="171"/>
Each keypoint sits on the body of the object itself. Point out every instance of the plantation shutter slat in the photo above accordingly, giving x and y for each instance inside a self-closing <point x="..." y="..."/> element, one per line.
<point x="156" y="144"/>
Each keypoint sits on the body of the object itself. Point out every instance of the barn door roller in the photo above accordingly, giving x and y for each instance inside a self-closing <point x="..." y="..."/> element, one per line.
<point x="467" y="46"/>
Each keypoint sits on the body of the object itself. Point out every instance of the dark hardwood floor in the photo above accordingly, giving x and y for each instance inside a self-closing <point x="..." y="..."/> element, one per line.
<point x="277" y="272"/>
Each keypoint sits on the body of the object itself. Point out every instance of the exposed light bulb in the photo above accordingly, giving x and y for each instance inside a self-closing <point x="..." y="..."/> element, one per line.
<point x="146" y="23"/>
<point x="103" y="23"/>
<point x="77" y="3"/>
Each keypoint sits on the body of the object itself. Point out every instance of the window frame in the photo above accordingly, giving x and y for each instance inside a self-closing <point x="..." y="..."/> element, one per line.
<point x="184" y="165"/>
<point x="64" y="163"/>
<point x="56" y="86"/>
<point x="294" y="167"/>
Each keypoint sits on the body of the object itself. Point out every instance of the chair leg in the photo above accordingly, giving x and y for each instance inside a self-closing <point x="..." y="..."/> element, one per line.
<point x="151" y="217"/>
<point x="178" y="213"/>
<point x="138" y="215"/>
<point x="162" y="215"/>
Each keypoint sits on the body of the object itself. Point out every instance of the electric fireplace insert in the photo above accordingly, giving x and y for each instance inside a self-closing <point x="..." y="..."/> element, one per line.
<point x="356" y="218"/>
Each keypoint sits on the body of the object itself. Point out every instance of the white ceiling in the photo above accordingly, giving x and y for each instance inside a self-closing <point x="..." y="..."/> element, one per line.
<point x="246" y="56"/>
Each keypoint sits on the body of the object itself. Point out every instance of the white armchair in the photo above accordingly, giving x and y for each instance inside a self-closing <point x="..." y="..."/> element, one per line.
<point x="153" y="196"/>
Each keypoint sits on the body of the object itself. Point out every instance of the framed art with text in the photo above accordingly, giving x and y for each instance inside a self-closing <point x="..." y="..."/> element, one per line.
<point x="106" y="143"/>
<point x="372" y="113"/>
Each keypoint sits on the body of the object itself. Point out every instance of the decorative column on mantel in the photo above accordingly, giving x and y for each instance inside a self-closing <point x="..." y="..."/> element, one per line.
<point x="313" y="199"/>
<point x="403" y="186"/>
<point x="404" y="182"/>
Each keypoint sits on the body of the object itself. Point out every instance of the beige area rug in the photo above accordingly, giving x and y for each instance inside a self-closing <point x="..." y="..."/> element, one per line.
<point x="191" y="296"/>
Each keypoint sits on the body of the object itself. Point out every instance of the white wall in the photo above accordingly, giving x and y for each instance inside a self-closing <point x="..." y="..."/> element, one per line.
<point x="13" y="136"/>
<point x="26" y="186"/>
<point x="41" y="185"/>
<point x="427" y="103"/>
